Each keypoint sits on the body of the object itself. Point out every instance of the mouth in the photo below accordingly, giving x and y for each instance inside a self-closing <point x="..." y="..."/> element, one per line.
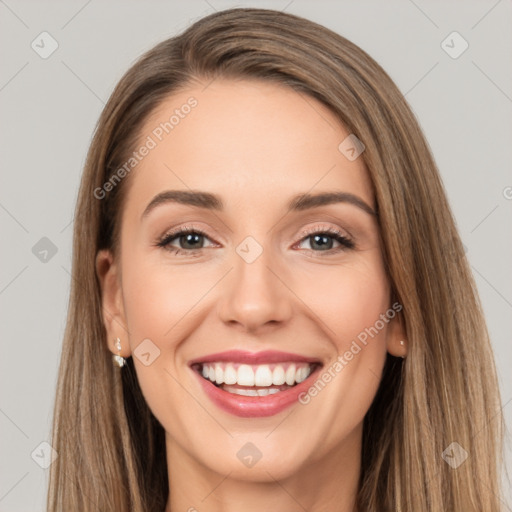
<point x="248" y="389"/>
<point x="255" y="380"/>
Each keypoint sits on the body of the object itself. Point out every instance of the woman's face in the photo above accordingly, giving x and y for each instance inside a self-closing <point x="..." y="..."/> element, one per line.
<point x="261" y="293"/>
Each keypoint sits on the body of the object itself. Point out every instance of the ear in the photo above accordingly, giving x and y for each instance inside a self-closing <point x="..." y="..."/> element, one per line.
<point x="396" y="339"/>
<point x="114" y="319"/>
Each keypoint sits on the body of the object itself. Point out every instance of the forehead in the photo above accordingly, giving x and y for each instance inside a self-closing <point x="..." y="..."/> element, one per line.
<point x="252" y="142"/>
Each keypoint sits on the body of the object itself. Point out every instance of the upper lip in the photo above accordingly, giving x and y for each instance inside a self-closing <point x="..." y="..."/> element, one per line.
<point x="246" y="357"/>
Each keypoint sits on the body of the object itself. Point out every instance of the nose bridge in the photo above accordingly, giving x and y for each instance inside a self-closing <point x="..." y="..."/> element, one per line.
<point x="254" y="296"/>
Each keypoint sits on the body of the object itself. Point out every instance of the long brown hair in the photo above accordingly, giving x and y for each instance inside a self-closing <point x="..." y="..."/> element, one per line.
<point x="111" y="449"/>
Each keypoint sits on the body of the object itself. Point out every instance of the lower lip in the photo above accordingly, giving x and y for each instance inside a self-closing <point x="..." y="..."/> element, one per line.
<point x="253" y="406"/>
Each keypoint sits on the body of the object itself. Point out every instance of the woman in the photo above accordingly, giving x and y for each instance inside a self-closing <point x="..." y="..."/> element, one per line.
<point x="263" y="244"/>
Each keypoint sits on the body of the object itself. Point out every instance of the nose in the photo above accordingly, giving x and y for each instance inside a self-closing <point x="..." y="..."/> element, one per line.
<point x="255" y="296"/>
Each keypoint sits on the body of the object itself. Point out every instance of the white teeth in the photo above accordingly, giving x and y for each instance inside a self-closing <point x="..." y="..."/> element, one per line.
<point x="245" y="375"/>
<point x="301" y="375"/>
<point x="240" y="391"/>
<point x="263" y="375"/>
<point x="278" y="375"/>
<point x="219" y="374"/>
<point x="251" y="392"/>
<point x="230" y="374"/>
<point x="290" y="375"/>
<point x="265" y="392"/>
<point x="307" y="373"/>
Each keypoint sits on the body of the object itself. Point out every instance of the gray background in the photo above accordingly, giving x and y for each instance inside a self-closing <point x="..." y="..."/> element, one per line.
<point x="49" y="108"/>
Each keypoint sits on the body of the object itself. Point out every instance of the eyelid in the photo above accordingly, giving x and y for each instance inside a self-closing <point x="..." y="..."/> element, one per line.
<point x="325" y="228"/>
<point x="331" y="231"/>
<point x="187" y="228"/>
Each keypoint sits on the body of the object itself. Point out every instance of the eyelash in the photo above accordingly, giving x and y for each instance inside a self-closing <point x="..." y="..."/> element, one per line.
<point x="345" y="243"/>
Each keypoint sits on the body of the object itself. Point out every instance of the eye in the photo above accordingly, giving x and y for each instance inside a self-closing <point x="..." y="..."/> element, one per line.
<point x="323" y="240"/>
<point x="190" y="240"/>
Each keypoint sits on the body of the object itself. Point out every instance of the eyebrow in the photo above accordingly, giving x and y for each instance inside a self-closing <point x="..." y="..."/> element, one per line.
<point x="213" y="202"/>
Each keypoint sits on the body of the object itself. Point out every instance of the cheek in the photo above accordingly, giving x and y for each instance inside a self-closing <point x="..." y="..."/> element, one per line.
<point x="349" y="302"/>
<point x="157" y="297"/>
<point x="158" y="302"/>
<point x="347" y="299"/>
<point x="163" y="303"/>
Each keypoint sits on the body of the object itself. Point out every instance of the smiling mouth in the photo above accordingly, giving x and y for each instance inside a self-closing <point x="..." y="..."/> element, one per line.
<point x="255" y="380"/>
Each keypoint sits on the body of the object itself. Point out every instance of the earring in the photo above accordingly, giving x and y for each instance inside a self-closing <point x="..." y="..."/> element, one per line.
<point x="118" y="359"/>
<point x="402" y="342"/>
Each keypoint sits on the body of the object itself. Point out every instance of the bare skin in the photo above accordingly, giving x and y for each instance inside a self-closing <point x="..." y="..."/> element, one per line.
<point x="256" y="145"/>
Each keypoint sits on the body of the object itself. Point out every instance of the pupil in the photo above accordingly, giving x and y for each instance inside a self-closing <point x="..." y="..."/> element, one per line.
<point x="191" y="238"/>
<point x="322" y="241"/>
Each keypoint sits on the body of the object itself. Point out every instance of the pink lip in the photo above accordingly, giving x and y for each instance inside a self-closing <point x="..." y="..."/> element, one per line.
<point x="245" y="357"/>
<point x="253" y="406"/>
